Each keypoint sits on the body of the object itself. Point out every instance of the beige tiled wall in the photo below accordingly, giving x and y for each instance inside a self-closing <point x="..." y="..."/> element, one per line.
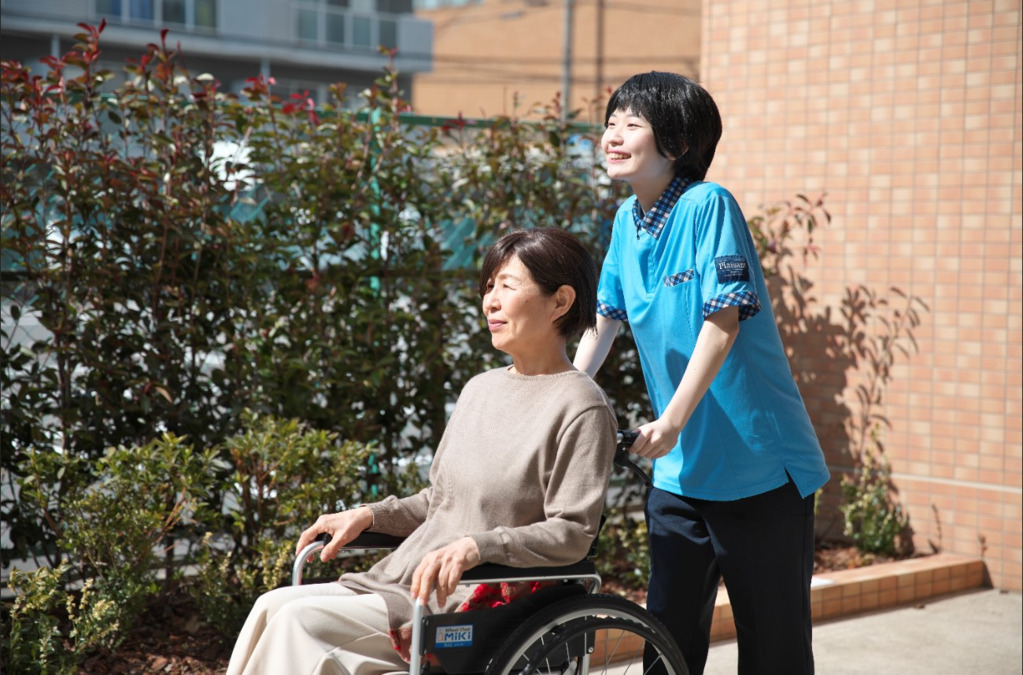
<point x="907" y="114"/>
<point x="490" y="54"/>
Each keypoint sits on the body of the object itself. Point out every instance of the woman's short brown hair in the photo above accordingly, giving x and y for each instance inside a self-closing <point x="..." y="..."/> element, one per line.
<point x="554" y="258"/>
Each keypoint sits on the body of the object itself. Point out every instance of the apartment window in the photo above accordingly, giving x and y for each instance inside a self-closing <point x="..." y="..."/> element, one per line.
<point x="362" y="28"/>
<point x="192" y="14"/>
<point x="437" y="4"/>
<point x="137" y="10"/>
<point x="206" y="14"/>
<point x="388" y="33"/>
<point x="394" y="6"/>
<point x="388" y="27"/>
<point x="174" y="12"/>
<point x="360" y="24"/>
<point x="336" y="28"/>
<point x="109" y="8"/>
<point x="140" y="10"/>
<point x="306" y="24"/>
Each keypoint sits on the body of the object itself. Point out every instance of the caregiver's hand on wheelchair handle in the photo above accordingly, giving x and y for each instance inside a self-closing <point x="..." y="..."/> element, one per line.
<point x="342" y="528"/>
<point x="441" y="569"/>
<point x="656" y="439"/>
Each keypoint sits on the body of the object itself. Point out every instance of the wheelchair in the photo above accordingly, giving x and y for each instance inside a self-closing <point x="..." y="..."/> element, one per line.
<point x="566" y="628"/>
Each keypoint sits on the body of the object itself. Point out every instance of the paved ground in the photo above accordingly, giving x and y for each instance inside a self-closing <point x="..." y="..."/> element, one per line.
<point x="975" y="632"/>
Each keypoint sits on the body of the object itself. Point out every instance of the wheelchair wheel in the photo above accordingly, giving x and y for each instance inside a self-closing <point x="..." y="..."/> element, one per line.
<point x="589" y="634"/>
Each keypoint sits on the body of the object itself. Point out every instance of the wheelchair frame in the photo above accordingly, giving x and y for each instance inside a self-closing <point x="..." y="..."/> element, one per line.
<point x="567" y="625"/>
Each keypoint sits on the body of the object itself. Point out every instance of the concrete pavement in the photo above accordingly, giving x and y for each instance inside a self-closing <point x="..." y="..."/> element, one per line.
<point x="970" y="633"/>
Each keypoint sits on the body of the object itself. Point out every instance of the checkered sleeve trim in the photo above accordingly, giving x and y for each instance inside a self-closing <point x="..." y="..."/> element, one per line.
<point x="681" y="278"/>
<point x="747" y="302"/>
<point x="610" y="312"/>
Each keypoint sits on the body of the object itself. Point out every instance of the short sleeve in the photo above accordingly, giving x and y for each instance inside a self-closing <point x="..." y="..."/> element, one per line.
<point x="610" y="294"/>
<point x="725" y="257"/>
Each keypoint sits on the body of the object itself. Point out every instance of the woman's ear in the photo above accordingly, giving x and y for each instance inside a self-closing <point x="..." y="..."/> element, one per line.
<point x="563" y="299"/>
<point x="683" y="146"/>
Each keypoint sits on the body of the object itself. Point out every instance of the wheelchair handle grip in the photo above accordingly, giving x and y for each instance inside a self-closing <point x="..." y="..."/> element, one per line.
<point x="303" y="555"/>
<point x="625" y="440"/>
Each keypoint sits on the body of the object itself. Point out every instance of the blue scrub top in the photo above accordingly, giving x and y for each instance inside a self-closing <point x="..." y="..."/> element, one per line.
<point x="751" y="431"/>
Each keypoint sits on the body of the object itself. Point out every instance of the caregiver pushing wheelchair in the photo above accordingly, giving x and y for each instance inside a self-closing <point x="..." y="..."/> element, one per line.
<point x="518" y="479"/>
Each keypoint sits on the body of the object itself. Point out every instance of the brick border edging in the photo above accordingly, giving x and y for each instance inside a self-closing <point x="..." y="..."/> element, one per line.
<point x="875" y="587"/>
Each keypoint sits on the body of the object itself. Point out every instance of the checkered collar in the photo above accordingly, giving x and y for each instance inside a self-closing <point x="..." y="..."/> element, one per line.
<point x="653" y="221"/>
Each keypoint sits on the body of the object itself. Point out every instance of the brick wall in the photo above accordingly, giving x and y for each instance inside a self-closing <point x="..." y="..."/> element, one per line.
<point x="907" y="113"/>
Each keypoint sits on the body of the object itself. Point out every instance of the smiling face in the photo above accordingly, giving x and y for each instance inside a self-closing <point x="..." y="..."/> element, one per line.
<point x="521" y="318"/>
<point x="631" y="151"/>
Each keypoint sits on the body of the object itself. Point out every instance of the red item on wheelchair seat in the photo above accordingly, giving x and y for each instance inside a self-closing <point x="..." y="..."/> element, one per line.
<point x="486" y="596"/>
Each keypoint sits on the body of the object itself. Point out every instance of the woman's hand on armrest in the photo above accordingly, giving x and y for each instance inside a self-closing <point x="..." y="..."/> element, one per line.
<point x="342" y="528"/>
<point x="442" y="569"/>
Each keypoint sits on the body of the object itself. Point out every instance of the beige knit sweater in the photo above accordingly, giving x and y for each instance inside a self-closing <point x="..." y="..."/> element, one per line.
<point x="522" y="468"/>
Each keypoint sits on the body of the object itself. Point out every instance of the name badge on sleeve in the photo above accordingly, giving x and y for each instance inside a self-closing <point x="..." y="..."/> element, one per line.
<point x="731" y="268"/>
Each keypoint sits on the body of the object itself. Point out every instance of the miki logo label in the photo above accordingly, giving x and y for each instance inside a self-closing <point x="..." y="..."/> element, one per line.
<point x="454" y="636"/>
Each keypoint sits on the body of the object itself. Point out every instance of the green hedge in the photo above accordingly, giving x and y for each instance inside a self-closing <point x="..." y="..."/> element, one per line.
<point x="323" y="269"/>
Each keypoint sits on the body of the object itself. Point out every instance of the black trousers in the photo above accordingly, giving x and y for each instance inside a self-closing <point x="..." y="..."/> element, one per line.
<point x="763" y="548"/>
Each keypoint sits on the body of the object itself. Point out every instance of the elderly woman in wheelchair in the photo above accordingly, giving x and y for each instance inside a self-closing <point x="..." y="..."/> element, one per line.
<point x="518" y="480"/>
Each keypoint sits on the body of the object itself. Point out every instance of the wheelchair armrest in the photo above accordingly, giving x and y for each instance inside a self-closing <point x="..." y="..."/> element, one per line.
<point x="368" y="540"/>
<point x="365" y="541"/>
<point x="488" y="573"/>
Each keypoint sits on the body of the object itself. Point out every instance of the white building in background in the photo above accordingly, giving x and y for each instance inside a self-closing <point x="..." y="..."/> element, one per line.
<point x="305" y="45"/>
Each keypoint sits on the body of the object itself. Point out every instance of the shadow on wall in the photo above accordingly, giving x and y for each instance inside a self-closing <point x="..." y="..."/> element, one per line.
<point x="832" y="356"/>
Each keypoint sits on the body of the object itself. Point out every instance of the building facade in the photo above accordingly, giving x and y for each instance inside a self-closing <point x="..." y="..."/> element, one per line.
<point x="304" y="45"/>
<point x="907" y="115"/>
<point x="505" y="57"/>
